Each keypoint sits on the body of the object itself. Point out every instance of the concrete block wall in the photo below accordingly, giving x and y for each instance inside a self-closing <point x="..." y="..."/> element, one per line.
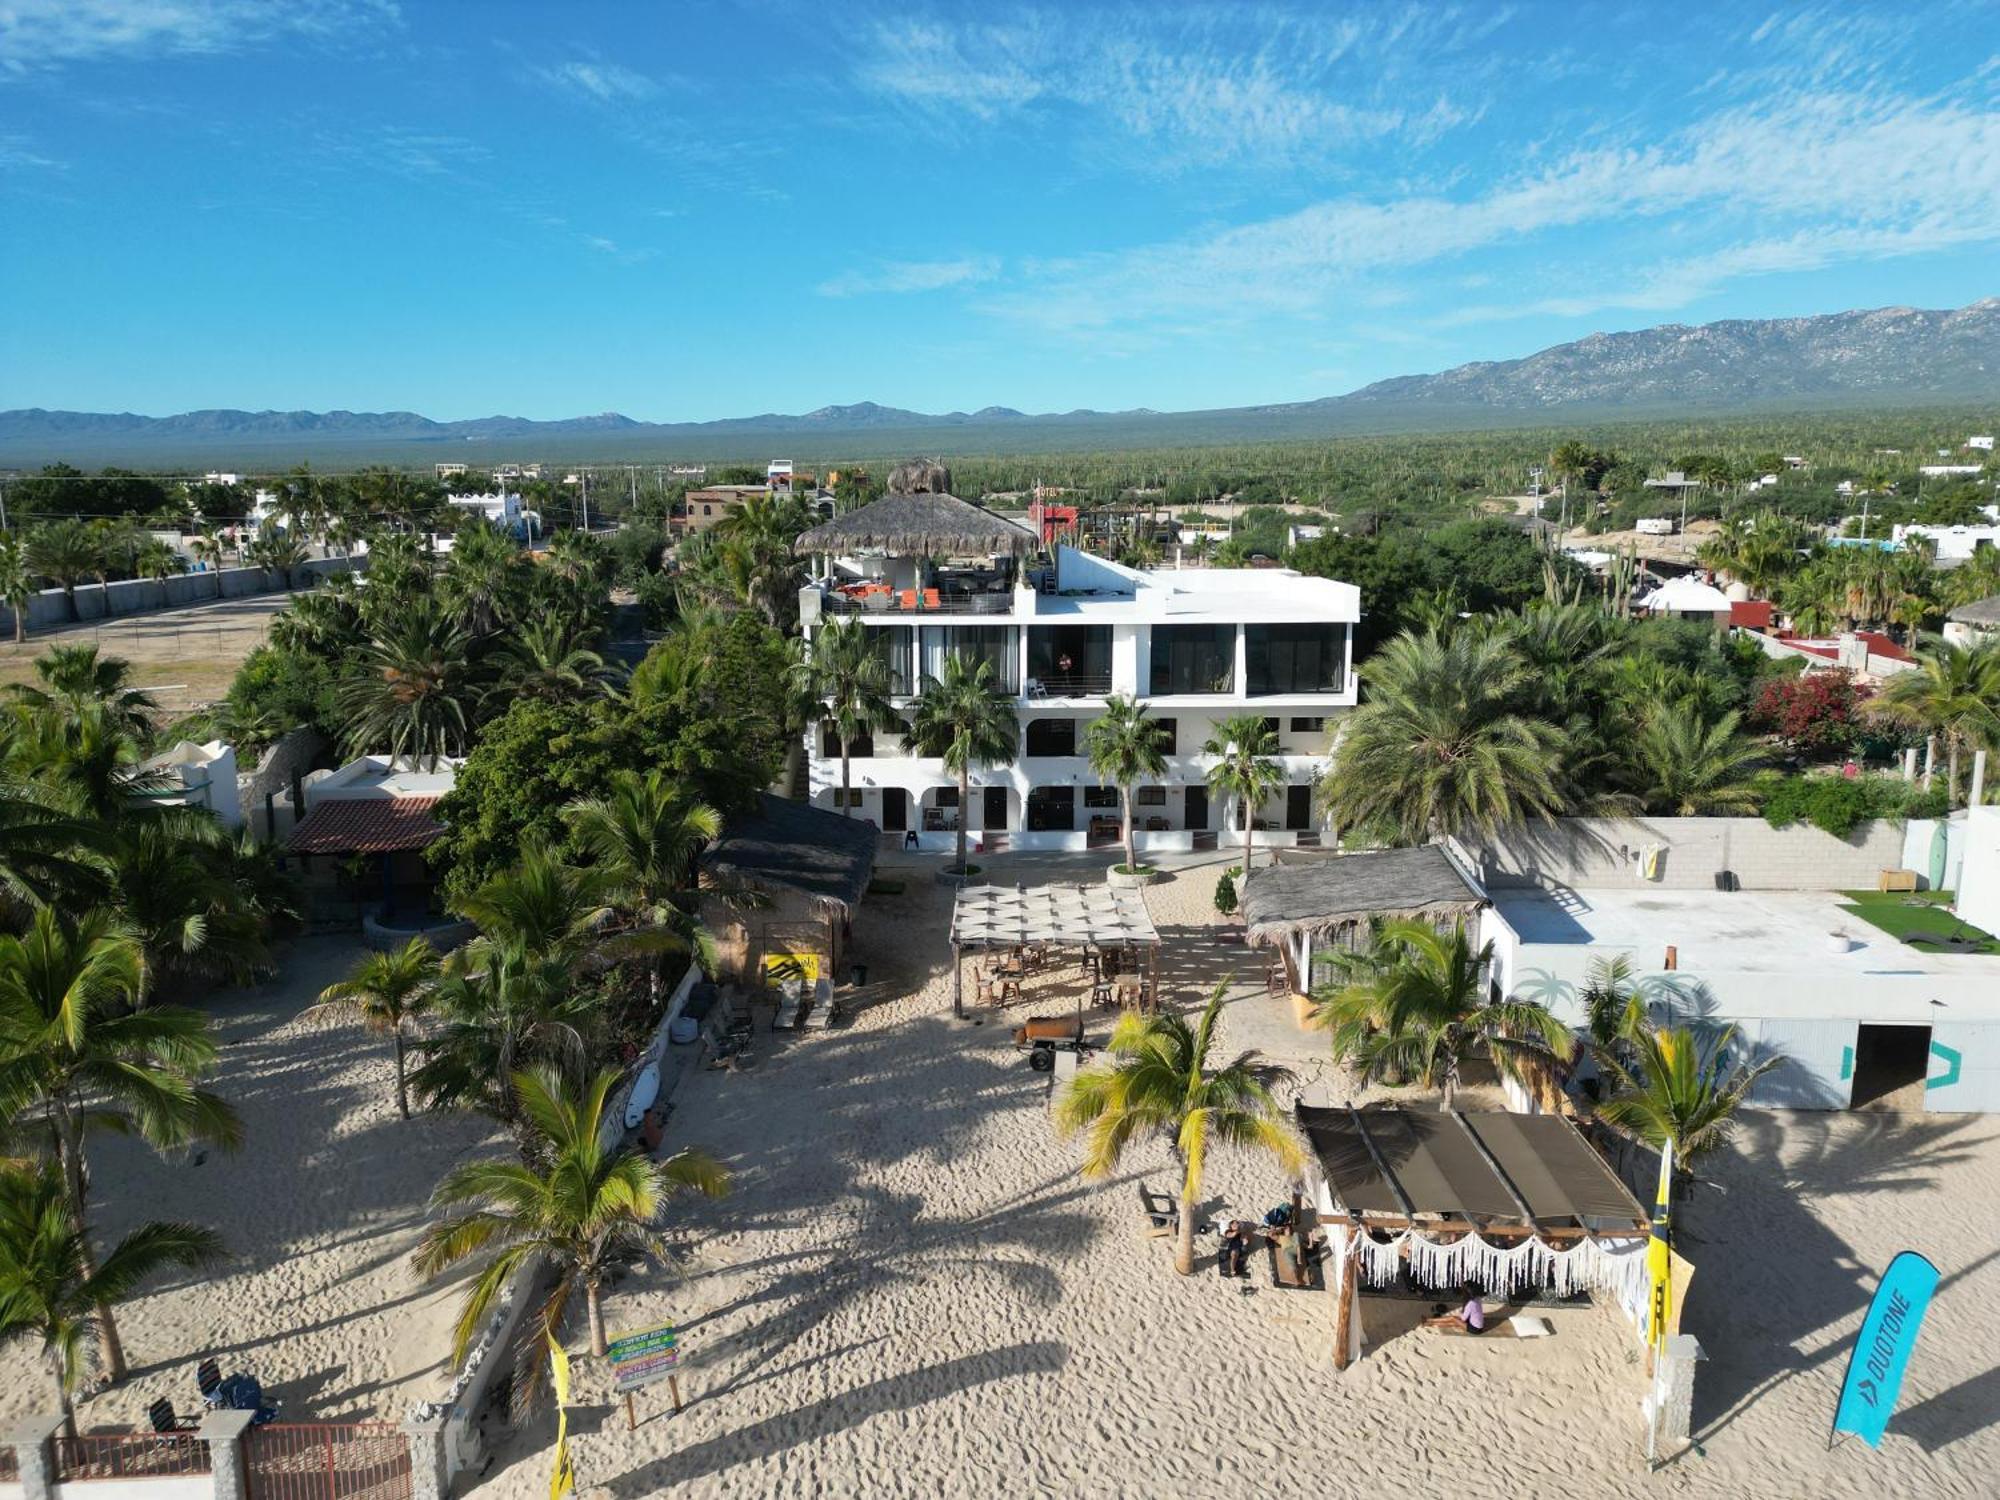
<point x="132" y="596"/>
<point x="1582" y="852"/>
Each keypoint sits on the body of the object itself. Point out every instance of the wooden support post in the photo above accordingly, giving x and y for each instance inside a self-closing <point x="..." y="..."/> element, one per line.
<point x="674" y="1385"/>
<point x="1343" y="1321"/>
<point x="631" y="1421"/>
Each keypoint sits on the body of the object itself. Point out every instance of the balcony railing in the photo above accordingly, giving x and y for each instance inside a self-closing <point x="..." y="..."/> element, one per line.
<point x="885" y="601"/>
<point x="1068" y="685"/>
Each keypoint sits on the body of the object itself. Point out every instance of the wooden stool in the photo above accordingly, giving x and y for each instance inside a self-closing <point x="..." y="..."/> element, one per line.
<point x="1100" y="993"/>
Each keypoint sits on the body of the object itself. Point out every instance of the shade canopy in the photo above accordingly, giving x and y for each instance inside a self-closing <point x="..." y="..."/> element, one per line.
<point x="1979" y="612"/>
<point x="367" y="825"/>
<point x="919" y="525"/>
<point x="991" y="916"/>
<point x="797" y="847"/>
<point x="1399" y="1168"/>
<point x="1322" y="894"/>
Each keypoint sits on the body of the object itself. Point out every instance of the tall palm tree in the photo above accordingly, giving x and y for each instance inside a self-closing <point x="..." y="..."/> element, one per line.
<point x="540" y="903"/>
<point x="578" y="1204"/>
<point x="1678" y="1086"/>
<point x="482" y="578"/>
<point x="548" y="657"/>
<point x="44" y="850"/>
<point x="1125" y="747"/>
<point x="642" y="838"/>
<point x="207" y="549"/>
<point x="1160" y="1082"/>
<point x="1414" y="1005"/>
<point x="385" y="993"/>
<point x="1955" y="694"/>
<point x="74" y="1059"/>
<point x="49" y="1289"/>
<point x="1243" y="746"/>
<point x="175" y="883"/>
<point x="503" y="1008"/>
<point x="158" y="561"/>
<point x="280" y="552"/>
<point x="17" y="581"/>
<point x="1681" y="763"/>
<point x="844" y="682"/>
<point x="73" y="678"/>
<point x="1441" y="746"/>
<point x="65" y="553"/>
<point x="412" y="690"/>
<point x="964" y="720"/>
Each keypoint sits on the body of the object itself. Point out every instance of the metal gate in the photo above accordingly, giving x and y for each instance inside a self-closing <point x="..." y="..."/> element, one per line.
<point x="328" y="1461"/>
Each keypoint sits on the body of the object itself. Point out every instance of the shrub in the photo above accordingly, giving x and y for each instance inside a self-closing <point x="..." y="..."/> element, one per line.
<point x="1837" y="803"/>
<point x="1225" y="893"/>
<point x="1818" y="714"/>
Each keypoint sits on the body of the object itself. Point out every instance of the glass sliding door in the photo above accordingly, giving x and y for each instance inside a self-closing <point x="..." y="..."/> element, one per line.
<point x="998" y="645"/>
<point x="1294" y="658"/>
<point x="1193" y="659"/>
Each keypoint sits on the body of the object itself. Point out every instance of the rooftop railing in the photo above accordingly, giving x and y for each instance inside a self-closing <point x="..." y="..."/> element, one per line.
<point x="887" y="601"/>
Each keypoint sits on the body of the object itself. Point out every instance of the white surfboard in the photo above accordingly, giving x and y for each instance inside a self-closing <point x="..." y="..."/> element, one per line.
<point x="645" y="1089"/>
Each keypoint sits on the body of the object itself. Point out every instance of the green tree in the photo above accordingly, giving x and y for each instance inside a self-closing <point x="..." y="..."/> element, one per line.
<point x="1954" y="694"/>
<point x="1677" y="1086"/>
<point x="548" y="657"/>
<point x="65" y="553"/>
<point x="279" y="552"/>
<point x="49" y="1289"/>
<point x="1681" y="763"/>
<point x="963" y="720"/>
<point x="411" y="691"/>
<point x="17" y="581"/>
<point x="1243" y="746"/>
<point x="1160" y="1082"/>
<point x="642" y="837"/>
<point x="1441" y="747"/>
<point x="1414" y="1005"/>
<point x="158" y="561"/>
<point x="845" y="682"/>
<point x="74" y="1059"/>
<point x="1125" y="747"/>
<point x="483" y="578"/>
<point x="502" y="1008"/>
<point x="540" y="904"/>
<point x="386" y="993"/>
<point x="578" y="1206"/>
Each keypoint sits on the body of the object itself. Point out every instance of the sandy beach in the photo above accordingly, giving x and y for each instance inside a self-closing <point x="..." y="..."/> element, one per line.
<point x="911" y="1292"/>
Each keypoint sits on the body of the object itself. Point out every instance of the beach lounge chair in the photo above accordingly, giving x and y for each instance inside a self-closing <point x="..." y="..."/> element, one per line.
<point x="208" y="1380"/>
<point x="1162" y="1214"/>
<point x="161" y="1415"/>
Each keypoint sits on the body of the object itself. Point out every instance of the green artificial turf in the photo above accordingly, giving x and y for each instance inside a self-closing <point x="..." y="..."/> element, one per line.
<point x="1901" y="913"/>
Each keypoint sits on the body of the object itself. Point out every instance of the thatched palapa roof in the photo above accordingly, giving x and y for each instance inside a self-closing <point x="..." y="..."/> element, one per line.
<point x="798" y="847"/>
<point x="919" y="525"/>
<point x="1979" y="612"/>
<point x="1323" y="895"/>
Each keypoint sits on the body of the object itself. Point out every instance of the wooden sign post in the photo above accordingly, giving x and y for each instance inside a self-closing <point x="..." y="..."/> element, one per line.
<point x="642" y="1358"/>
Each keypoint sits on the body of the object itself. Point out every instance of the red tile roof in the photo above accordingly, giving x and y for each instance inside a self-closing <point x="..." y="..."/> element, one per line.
<point x="1752" y="614"/>
<point x="367" y="825"/>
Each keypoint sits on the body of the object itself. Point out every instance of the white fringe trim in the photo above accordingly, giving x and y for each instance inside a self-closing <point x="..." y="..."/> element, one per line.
<point x="1618" y="1269"/>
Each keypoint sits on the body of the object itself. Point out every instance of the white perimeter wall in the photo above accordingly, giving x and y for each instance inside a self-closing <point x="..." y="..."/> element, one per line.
<point x="1583" y="852"/>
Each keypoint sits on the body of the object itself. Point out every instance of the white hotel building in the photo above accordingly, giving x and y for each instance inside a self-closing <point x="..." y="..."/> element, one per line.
<point x="1064" y="630"/>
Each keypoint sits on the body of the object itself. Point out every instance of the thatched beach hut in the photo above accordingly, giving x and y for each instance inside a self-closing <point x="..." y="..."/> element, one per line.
<point x="1329" y="901"/>
<point x="918" y="525"/>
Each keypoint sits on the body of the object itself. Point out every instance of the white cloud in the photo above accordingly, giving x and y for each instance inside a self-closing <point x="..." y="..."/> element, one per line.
<point x="18" y="152"/>
<point x="605" y="82"/>
<point x="1822" y="178"/>
<point x="913" y="276"/>
<point x="45" y="33"/>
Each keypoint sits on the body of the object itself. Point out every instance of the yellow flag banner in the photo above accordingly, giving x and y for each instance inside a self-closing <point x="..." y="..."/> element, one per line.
<point x="1659" y="1257"/>
<point x="563" y="1480"/>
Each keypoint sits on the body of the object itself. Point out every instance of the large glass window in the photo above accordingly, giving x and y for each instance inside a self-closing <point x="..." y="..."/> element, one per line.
<point x="1052" y="809"/>
<point x="997" y="644"/>
<point x="1069" y="659"/>
<point x="1193" y="659"/>
<point x="896" y="644"/>
<point x="861" y="747"/>
<point x="1051" y="736"/>
<point x="1294" y="658"/>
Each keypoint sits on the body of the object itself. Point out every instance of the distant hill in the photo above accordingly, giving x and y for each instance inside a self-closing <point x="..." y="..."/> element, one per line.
<point x="1885" y="357"/>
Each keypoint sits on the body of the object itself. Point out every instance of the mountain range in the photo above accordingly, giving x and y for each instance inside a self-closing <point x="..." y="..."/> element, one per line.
<point x="1881" y="357"/>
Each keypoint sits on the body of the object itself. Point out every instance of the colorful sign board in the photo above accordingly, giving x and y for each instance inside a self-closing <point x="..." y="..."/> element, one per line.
<point x="1888" y="1334"/>
<point x="640" y="1359"/>
<point x="782" y="966"/>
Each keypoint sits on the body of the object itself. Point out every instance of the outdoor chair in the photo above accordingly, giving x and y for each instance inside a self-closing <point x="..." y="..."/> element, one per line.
<point x="161" y="1415"/>
<point x="1162" y="1214"/>
<point x="208" y="1380"/>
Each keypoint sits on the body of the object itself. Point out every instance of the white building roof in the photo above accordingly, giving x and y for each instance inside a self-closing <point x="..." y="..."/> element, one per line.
<point x="1685" y="596"/>
<point x="379" y="776"/>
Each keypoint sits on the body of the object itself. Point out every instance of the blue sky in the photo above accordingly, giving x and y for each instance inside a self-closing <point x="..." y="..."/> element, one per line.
<point x="685" y="211"/>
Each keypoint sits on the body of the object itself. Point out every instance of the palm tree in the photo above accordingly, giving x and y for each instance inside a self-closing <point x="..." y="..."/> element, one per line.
<point x="1610" y="1000"/>
<point x="158" y="561"/>
<point x="279" y="552"/>
<point x="74" y="1059"/>
<point x="1441" y="747"/>
<point x="175" y="882"/>
<point x="1414" y="1005"/>
<point x="1161" y="1082"/>
<point x="1679" y="1086"/>
<point x="65" y="553"/>
<point x="1243" y="745"/>
<point x="1124" y="747"/>
<point x="546" y="657"/>
<point x="503" y="1008"/>
<point x="540" y="904"/>
<point x="845" y="683"/>
<point x="17" y="581"/>
<point x="385" y="993"/>
<point x="207" y="549"/>
<point x="410" y="696"/>
<point x="642" y="837"/>
<point x="72" y="679"/>
<point x="1681" y="763"/>
<point x="963" y="720"/>
<point x="578" y="1206"/>
<point x="42" y="849"/>
<point x="1954" y="693"/>
<point x="482" y="577"/>
<point x="48" y="1287"/>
